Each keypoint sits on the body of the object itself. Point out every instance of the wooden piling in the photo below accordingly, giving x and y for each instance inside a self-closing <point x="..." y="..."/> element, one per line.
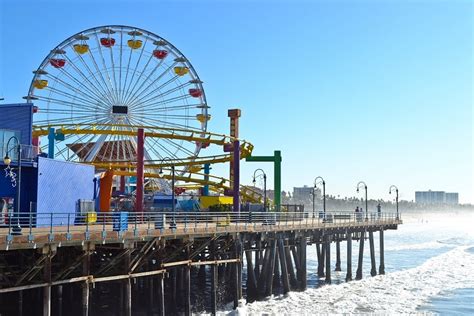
<point x="270" y="270"/>
<point x="283" y="266"/>
<point x="258" y="258"/>
<point x="86" y="270"/>
<point x="296" y="258"/>
<point x="303" y="283"/>
<point x="338" y="256"/>
<point x="382" y="255"/>
<point x="161" y="294"/>
<point x="47" y="279"/>
<point x="235" y="277"/>
<point x="373" y="270"/>
<point x="321" y="260"/>
<point x="361" y="256"/>
<point x="328" y="258"/>
<point x="187" y="290"/>
<point x="289" y="266"/>
<point x="349" y="256"/>
<point x="214" y="280"/>
<point x="20" y="303"/>
<point x="128" y="286"/>
<point x="261" y="284"/>
<point x="276" y="270"/>
<point x="251" y="278"/>
<point x="59" y="294"/>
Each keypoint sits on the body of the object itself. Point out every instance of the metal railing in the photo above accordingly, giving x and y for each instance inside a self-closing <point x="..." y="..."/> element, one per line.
<point x="102" y="224"/>
<point x="28" y="152"/>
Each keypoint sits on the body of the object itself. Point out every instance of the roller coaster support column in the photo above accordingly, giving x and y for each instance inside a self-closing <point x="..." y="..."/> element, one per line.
<point x="140" y="167"/>
<point x="276" y="159"/>
<point x="207" y="169"/>
<point x="51" y="137"/>
<point x="234" y="115"/>
<point x="236" y="180"/>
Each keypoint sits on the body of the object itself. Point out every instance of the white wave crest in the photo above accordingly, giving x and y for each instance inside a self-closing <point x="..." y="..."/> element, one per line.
<point x="424" y="245"/>
<point x="394" y="293"/>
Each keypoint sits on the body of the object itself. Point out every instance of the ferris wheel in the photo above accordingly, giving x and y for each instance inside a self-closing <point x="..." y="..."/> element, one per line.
<point x="118" y="78"/>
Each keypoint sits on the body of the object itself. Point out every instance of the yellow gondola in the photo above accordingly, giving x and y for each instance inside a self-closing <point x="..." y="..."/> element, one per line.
<point x="40" y="83"/>
<point x="181" y="71"/>
<point x="81" y="48"/>
<point x="134" y="44"/>
<point x="203" y="118"/>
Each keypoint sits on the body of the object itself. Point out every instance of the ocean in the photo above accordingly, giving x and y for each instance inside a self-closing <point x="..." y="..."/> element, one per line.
<point x="429" y="264"/>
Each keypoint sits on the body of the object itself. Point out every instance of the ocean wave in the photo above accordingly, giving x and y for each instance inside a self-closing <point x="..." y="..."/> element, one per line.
<point x="397" y="292"/>
<point x="424" y="245"/>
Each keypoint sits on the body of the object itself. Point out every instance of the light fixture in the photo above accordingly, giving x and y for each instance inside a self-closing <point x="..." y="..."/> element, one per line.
<point x="7" y="160"/>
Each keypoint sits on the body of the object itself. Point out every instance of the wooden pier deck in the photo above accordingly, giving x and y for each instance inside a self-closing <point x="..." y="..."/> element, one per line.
<point x="167" y="260"/>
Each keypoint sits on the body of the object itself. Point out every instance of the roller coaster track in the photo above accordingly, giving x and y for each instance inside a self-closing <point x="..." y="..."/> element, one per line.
<point x="193" y="163"/>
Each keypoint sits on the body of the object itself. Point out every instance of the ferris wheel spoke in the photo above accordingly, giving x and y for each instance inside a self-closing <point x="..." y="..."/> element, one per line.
<point x="98" y="94"/>
<point x="80" y="73"/>
<point x="168" y="152"/>
<point x="85" y="94"/>
<point x="138" y="62"/>
<point x="138" y="78"/>
<point x="146" y="98"/>
<point x="133" y="93"/>
<point x="170" y="116"/>
<point x="105" y="67"/>
<point x="116" y="87"/>
<point x="151" y="122"/>
<point x="63" y="102"/>
<point x="86" y="103"/>
<point x="164" y="102"/>
<point x="179" y="146"/>
<point x="107" y="90"/>
<point x="120" y="66"/>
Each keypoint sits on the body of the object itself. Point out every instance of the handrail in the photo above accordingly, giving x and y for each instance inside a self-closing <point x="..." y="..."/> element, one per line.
<point x="66" y="224"/>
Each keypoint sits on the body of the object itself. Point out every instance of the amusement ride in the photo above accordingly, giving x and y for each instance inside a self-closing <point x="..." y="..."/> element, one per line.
<point x="95" y="90"/>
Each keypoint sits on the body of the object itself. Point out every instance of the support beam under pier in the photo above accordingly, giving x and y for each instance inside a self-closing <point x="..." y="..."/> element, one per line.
<point x="373" y="270"/>
<point x="361" y="256"/>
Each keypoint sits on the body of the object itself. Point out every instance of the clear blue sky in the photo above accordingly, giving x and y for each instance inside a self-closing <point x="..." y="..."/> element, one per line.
<point x="380" y="91"/>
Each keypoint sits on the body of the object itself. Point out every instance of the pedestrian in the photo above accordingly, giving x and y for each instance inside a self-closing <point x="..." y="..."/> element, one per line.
<point x="379" y="210"/>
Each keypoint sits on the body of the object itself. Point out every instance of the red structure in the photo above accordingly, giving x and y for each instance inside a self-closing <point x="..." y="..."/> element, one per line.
<point x="234" y="115"/>
<point x="140" y="171"/>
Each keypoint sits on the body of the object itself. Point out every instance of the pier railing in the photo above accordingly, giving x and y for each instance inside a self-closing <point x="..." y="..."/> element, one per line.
<point x="117" y="224"/>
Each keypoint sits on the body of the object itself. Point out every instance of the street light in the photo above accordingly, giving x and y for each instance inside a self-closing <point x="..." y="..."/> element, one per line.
<point x="324" y="193"/>
<point x="366" y="206"/>
<point x="396" y="197"/>
<point x="264" y="187"/>
<point x="173" y="209"/>
<point x="16" y="230"/>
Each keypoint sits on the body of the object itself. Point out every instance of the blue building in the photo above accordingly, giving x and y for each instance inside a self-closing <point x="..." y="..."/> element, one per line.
<point x="47" y="185"/>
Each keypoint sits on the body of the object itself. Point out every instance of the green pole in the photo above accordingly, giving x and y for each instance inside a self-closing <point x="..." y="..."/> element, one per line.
<point x="277" y="183"/>
<point x="276" y="159"/>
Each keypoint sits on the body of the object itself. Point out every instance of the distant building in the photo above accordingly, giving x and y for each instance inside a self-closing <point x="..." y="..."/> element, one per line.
<point x="304" y="194"/>
<point x="436" y="197"/>
<point x="452" y="198"/>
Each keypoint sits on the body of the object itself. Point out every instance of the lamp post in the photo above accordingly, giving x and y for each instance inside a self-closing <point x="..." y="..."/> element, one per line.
<point x="324" y="193"/>
<point x="264" y="187"/>
<point x="173" y="209"/>
<point x="366" y="205"/>
<point x="396" y="196"/>
<point x="16" y="230"/>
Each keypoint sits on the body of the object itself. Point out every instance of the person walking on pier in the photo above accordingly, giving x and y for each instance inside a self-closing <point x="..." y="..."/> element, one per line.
<point x="379" y="210"/>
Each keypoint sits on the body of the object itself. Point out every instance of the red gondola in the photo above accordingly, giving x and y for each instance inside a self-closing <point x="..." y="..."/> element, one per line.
<point x="57" y="63"/>
<point x="160" y="53"/>
<point x="195" y="93"/>
<point x="107" y="41"/>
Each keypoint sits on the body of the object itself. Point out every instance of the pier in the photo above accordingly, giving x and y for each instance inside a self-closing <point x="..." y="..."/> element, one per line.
<point x="154" y="263"/>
